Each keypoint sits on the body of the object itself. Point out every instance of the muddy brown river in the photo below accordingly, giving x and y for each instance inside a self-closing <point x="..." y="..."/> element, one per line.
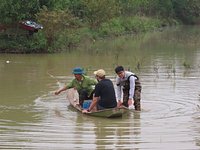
<point x="168" y="64"/>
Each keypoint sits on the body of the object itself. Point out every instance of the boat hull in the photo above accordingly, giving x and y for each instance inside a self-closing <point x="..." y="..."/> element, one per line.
<point x="73" y="97"/>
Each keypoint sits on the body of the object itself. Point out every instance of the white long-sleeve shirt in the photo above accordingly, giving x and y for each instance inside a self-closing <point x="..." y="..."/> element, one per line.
<point x="121" y="82"/>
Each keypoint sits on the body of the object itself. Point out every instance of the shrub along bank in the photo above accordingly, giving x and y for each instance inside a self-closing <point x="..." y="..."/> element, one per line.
<point x="68" y="23"/>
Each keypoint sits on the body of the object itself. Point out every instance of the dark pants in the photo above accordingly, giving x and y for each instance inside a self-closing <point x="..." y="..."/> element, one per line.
<point x="136" y="97"/>
<point x="84" y="95"/>
<point x="100" y="107"/>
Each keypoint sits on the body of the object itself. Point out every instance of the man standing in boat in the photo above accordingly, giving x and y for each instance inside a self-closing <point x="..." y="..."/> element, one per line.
<point x="129" y="83"/>
<point x="83" y="84"/>
<point x="104" y="93"/>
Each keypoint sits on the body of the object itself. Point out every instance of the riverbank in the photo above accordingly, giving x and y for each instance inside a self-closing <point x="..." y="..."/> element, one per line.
<point x="68" y="23"/>
<point x="16" y="40"/>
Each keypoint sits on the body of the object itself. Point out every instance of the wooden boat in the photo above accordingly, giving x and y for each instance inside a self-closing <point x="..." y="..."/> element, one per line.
<point x="73" y="97"/>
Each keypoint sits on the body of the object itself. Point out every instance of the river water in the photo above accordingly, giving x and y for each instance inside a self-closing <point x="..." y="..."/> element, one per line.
<point x="168" y="64"/>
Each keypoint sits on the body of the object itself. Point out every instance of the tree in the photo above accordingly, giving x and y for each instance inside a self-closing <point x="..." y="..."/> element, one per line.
<point x="99" y="11"/>
<point x="187" y="11"/>
<point x="54" y="4"/>
<point x="56" y="21"/>
<point x="15" y="10"/>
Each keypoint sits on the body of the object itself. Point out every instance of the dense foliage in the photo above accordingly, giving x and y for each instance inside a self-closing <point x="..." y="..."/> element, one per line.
<point x="70" y="22"/>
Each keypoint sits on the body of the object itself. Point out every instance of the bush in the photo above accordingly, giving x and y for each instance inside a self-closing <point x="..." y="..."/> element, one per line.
<point x="188" y="11"/>
<point x="24" y="43"/>
<point x="113" y="27"/>
<point x="65" y="40"/>
<point x="141" y="24"/>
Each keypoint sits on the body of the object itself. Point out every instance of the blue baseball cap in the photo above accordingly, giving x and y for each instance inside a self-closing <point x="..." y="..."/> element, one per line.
<point x="78" y="70"/>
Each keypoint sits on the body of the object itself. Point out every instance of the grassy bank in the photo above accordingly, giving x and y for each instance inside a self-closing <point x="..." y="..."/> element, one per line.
<point x="19" y="41"/>
<point x="69" y="23"/>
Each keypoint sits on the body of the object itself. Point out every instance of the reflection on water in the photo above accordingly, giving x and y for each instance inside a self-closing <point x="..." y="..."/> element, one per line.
<point x="168" y="64"/>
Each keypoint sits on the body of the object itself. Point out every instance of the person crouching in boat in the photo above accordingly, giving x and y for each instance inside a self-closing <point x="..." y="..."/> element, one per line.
<point x="83" y="84"/>
<point x="104" y="93"/>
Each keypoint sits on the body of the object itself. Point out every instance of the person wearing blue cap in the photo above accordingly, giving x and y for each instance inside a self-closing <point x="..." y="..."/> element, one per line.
<point x="83" y="84"/>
